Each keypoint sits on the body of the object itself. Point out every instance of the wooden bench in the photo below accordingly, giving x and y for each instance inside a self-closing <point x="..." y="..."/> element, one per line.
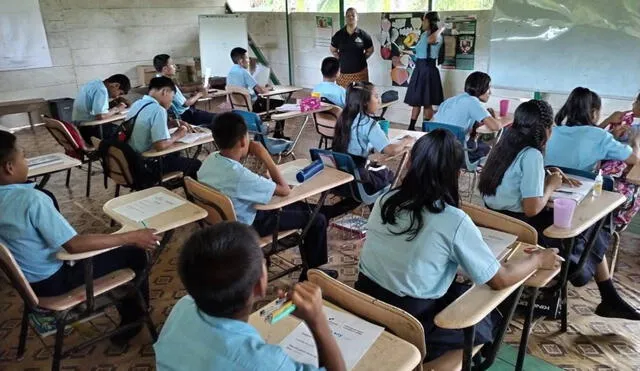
<point x="31" y="106"/>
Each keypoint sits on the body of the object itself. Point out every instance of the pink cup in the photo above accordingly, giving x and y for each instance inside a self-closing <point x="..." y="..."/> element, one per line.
<point x="563" y="209"/>
<point x="504" y="107"/>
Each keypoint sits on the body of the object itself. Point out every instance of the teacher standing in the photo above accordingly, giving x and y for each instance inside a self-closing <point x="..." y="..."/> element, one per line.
<point x="425" y="86"/>
<point x="352" y="46"/>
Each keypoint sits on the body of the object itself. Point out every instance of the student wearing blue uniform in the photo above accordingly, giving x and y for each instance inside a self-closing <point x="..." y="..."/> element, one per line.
<point x="181" y="107"/>
<point x="239" y="76"/>
<point x="578" y="142"/>
<point x="417" y="237"/>
<point x="357" y="133"/>
<point x="223" y="270"/>
<point x="224" y="172"/>
<point x="466" y="110"/>
<point x="425" y="86"/>
<point x="92" y="103"/>
<point x="328" y="88"/>
<point x="34" y="231"/>
<point x="151" y="130"/>
<point x="513" y="182"/>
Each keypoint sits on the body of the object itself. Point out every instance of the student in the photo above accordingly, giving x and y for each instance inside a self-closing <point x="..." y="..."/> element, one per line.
<point x="425" y="87"/>
<point x="183" y="108"/>
<point x="151" y="131"/>
<point x="417" y="237"/>
<point x="34" y="231"/>
<point x="513" y="182"/>
<point x="224" y="171"/>
<point x="466" y="110"/>
<point x="357" y="131"/>
<point x="328" y="88"/>
<point x="224" y="272"/>
<point x="239" y="76"/>
<point x="578" y="142"/>
<point x="92" y="103"/>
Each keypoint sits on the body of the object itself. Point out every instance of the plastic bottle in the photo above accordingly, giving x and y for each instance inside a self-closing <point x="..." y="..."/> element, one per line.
<point x="597" y="185"/>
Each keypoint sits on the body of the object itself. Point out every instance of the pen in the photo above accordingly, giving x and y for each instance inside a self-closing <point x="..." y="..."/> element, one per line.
<point x="145" y="225"/>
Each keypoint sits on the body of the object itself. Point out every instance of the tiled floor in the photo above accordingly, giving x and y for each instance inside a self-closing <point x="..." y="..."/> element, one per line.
<point x="592" y="343"/>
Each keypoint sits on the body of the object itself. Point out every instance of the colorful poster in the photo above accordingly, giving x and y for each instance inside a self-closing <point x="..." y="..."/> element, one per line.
<point x="459" y="42"/>
<point x="324" y="31"/>
<point x="399" y="33"/>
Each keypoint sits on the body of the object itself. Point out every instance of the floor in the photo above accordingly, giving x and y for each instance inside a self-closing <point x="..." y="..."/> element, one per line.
<point x="592" y="343"/>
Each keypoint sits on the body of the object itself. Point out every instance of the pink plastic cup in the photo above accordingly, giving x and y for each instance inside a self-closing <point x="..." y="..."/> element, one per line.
<point x="563" y="209"/>
<point x="504" y="107"/>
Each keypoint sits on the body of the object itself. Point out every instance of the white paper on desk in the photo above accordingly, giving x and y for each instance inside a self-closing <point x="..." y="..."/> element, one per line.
<point x="261" y="74"/>
<point x="498" y="241"/>
<point x="289" y="175"/>
<point x="416" y="134"/>
<point x="289" y="107"/>
<point x="192" y="137"/>
<point x="46" y="160"/>
<point x="149" y="206"/>
<point x="578" y="193"/>
<point x="354" y="336"/>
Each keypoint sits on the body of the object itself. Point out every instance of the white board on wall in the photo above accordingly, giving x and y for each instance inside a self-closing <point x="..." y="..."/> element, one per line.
<point x="218" y="35"/>
<point x="23" y="41"/>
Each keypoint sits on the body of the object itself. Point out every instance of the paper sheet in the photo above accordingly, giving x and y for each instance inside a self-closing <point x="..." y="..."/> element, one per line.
<point x="498" y="241"/>
<point x="289" y="174"/>
<point x="578" y="194"/>
<point x="192" y="137"/>
<point x="416" y="134"/>
<point x="41" y="161"/>
<point x="261" y="74"/>
<point x="354" y="336"/>
<point x="289" y="107"/>
<point x="149" y="206"/>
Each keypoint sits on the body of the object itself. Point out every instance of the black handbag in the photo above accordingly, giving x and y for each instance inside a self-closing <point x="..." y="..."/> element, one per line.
<point x="389" y="96"/>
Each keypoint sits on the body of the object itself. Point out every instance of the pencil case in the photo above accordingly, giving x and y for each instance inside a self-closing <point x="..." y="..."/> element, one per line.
<point x="309" y="104"/>
<point x="309" y="171"/>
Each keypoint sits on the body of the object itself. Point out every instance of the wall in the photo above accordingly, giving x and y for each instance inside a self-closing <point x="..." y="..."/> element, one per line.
<point x="269" y="31"/>
<point x="91" y="39"/>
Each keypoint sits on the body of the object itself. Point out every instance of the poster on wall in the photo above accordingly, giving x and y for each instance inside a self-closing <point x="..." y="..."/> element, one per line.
<point x="459" y="42"/>
<point x="324" y="31"/>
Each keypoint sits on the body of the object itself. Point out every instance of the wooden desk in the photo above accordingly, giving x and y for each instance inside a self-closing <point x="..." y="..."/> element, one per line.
<point x="327" y="179"/>
<point x="587" y="213"/>
<point x="32" y="106"/>
<point x="46" y="170"/>
<point x="283" y="116"/>
<point x="388" y="352"/>
<point x="504" y="122"/>
<point x="117" y="117"/>
<point x="177" y="147"/>
<point x="396" y="133"/>
<point x="634" y="175"/>
<point x="279" y="90"/>
<point x="211" y="95"/>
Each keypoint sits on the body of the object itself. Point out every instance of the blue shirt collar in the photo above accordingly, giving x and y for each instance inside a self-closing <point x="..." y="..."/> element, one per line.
<point x="30" y="185"/>
<point x="229" y="324"/>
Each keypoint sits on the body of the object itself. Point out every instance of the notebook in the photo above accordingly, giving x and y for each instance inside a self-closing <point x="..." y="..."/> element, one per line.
<point x="578" y="193"/>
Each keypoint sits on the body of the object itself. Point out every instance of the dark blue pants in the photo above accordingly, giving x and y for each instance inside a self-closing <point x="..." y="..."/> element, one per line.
<point x="198" y="117"/>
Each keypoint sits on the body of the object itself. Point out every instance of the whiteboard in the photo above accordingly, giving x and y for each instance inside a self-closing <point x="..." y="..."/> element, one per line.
<point x="218" y="35"/>
<point x="555" y="46"/>
<point x="23" y="42"/>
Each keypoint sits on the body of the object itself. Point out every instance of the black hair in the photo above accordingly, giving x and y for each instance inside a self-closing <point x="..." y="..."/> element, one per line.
<point x="477" y="84"/>
<point x="228" y="128"/>
<point x="357" y="102"/>
<point x="7" y="146"/>
<point x="638" y="98"/>
<point x="330" y="67"/>
<point x="123" y="80"/>
<point x="162" y="82"/>
<point x="433" y="18"/>
<point x="219" y="267"/>
<point x="431" y="182"/>
<point x="160" y="61"/>
<point x="237" y="54"/>
<point x="531" y="121"/>
<point x="350" y="9"/>
<point x="579" y="107"/>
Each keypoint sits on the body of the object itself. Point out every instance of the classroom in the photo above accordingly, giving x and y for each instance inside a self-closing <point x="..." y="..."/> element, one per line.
<point x="319" y="185"/>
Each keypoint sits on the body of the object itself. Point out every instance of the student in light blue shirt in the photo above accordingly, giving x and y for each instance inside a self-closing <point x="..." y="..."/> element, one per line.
<point x="151" y="130"/>
<point x="224" y="172"/>
<point x="466" y="111"/>
<point x="92" y="103"/>
<point x="513" y="182"/>
<point x="417" y="237"/>
<point x="578" y="142"/>
<point x="223" y="270"/>
<point x="181" y="107"/>
<point x="328" y="88"/>
<point x="239" y="76"/>
<point x="34" y="231"/>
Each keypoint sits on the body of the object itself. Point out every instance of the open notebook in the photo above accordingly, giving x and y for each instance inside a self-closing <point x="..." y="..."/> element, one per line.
<point x="578" y="193"/>
<point x="498" y="241"/>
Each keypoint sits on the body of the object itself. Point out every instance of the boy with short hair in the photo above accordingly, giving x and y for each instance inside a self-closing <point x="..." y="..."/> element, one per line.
<point x="239" y="76"/>
<point x="92" y="103"/>
<point x="328" y="88"/>
<point x="223" y="270"/>
<point x="34" y="231"/>
<point x="151" y="130"/>
<point x="224" y="171"/>
<point x="183" y="108"/>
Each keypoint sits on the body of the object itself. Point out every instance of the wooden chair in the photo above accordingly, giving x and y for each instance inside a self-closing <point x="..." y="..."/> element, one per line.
<point x="239" y="98"/>
<point x="325" y="125"/>
<point x="219" y="208"/>
<point x="78" y="304"/>
<point x="72" y="147"/>
<point x="407" y="327"/>
<point x="484" y="217"/>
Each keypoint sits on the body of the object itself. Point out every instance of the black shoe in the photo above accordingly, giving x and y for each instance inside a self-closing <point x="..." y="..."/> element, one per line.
<point x="621" y="310"/>
<point x="122" y="338"/>
<point x="280" y="135"/>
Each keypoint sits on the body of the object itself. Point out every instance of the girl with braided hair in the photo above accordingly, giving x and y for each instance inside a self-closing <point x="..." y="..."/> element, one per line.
<point x="513" y="183"/>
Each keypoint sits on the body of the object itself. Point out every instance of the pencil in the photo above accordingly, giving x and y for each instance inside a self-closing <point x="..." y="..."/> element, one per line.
<point x="145" y="225"/>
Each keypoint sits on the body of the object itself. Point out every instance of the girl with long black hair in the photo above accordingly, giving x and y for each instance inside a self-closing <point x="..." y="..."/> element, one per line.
<point x="425" y="86"/>
<point x="513" y="182"/>
<point x="417" y="237"/>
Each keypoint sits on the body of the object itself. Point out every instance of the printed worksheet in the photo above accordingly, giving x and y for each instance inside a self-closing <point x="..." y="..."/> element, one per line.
<point x="498" y="241"/>
<point x="149" y="206"/>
